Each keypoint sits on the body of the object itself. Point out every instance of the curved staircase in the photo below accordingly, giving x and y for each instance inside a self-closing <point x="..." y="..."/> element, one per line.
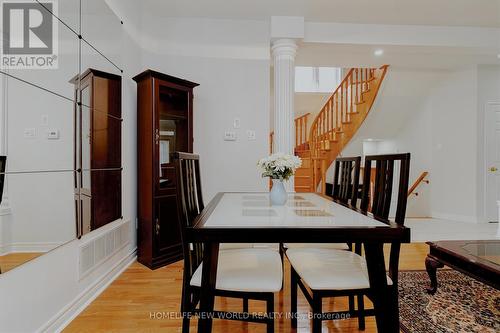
<point x="335" y="125"/>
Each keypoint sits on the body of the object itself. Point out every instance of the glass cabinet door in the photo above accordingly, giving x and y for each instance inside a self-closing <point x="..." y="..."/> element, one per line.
<point x="172" y="131"/>
<point x="86" y="138"/>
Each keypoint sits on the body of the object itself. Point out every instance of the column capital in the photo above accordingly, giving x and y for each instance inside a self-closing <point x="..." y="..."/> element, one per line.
<point x="284" y="47"/>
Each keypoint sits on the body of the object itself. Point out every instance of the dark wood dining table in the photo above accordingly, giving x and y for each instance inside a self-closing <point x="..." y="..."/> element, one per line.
<point x="306" y="218"/>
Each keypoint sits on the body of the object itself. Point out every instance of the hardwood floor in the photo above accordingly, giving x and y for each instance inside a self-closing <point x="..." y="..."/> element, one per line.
<point x="12" y="260"/>
<point x="141" y="300"/>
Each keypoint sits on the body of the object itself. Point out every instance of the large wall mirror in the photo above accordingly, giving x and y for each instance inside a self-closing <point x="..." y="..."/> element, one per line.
<point x="60" y="129"/>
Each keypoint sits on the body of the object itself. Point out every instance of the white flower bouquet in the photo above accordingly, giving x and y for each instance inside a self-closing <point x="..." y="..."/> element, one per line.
<point x="279" y="166"/>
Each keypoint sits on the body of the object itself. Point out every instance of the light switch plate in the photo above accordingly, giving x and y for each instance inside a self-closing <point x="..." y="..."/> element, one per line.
<point x="45" y="120"/>
<point x="236" y="123"/>
<point x="229" y="136"/>
<point x="29" y="133"/>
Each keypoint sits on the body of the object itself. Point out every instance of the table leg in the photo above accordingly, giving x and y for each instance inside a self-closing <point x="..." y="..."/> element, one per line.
<point x="385" y="299"/>
<point x="431" y="265"/>
<point x="207" y="293"/>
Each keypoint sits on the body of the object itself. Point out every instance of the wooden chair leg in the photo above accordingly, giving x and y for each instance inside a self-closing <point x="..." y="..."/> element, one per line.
<point x="351" y="303"/>
<point x="185" y="324"/>
<point x="186" y="308"/>
<point x="293" y="297"/>
<point x="317" y="312"/>
<point x="361" y="312"/>
<point x="245" y="305"/>
<point x="270" y="314"/>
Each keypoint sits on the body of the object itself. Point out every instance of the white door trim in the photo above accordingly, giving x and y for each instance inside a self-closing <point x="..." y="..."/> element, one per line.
<point x="485" y="160"/>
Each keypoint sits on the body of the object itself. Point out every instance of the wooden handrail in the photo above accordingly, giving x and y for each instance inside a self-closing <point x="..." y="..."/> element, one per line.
<point x="338" y="112"/>
<point x="420" y="179"/>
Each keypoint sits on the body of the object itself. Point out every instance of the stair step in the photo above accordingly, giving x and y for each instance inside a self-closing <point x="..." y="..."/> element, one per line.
<point x="303" y="172"/>
<point x="303" y="189"/>
<point x="303" y="181"/>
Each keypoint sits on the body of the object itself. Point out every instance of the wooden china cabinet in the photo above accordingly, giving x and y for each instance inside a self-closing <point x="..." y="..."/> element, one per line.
<point x="98" y="184"/>
<point x="164" y="125"/>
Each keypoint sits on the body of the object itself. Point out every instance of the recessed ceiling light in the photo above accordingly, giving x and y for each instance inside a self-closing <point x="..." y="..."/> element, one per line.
<point x="378" y="52"/>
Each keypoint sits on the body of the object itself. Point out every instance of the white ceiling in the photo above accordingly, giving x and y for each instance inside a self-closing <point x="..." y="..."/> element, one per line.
<point x="485" y="13"/>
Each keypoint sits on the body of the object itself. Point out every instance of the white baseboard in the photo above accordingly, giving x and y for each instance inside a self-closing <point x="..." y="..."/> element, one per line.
<point x="28" y="247"/>
<point x="4" y="249"/>
<point x="451" y="217"/>
<point x="67" y="314"/>
<point x="34" y="247"/>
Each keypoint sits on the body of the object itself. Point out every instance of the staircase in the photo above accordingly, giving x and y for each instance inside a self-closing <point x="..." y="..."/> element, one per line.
<point x="339" y="119"/>
<point x="334" y="126"/>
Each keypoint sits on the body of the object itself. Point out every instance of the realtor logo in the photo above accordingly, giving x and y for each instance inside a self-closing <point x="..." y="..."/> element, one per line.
<point x="29" y="35"/>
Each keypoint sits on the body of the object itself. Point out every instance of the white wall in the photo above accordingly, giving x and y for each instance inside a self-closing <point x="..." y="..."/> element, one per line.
<point x="454" y="146"/>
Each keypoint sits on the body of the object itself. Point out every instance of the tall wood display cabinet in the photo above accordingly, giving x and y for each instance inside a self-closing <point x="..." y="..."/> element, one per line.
<point x="164" y="125"/>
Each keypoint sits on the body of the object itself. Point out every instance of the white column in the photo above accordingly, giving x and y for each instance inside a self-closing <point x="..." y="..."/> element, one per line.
<point x="283" y="52"/>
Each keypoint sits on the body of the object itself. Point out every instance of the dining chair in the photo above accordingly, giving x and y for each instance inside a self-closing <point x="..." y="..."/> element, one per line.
<point x="322" y="273"/>
<point x="345" y="190"/>
<point x="246" y="273"/>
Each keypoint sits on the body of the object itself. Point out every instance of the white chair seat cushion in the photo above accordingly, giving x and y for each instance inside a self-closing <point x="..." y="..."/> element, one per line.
<point x="334" y="246"/>
<point x="250" y="270"/>
<point x="232" y="246"/>
<point x="326" y="269"/>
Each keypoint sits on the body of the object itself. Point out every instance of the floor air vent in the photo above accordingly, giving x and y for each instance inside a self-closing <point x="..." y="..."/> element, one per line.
<point x="99" y="249"/>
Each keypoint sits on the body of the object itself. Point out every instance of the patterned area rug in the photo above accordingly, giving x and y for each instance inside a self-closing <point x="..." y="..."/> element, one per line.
<point x="461" y="304"/>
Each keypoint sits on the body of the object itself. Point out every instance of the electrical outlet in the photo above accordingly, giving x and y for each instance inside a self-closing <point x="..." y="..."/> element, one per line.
<point x="53" y="134"/>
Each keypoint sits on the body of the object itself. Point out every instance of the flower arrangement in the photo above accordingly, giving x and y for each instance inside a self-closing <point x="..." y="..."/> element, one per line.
<point x="279" y="166"/>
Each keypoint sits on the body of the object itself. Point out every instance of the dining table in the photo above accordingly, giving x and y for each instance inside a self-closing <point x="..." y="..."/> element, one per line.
<point x="248" y="217"/>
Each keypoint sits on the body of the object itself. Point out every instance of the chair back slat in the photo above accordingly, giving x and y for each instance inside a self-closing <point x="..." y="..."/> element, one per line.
<point x="346" y="179"/>
<point x="383" y="185"/>
<point x="189" y="205"/>
<point x="382" y="195"/>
